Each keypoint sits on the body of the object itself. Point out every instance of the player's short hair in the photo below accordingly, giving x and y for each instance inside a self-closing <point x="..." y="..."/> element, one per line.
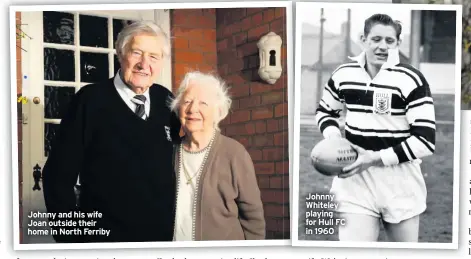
<point x="383" y="19"/>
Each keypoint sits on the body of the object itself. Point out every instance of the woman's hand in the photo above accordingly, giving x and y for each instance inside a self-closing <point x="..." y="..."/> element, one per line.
<point x="365" y="160"/>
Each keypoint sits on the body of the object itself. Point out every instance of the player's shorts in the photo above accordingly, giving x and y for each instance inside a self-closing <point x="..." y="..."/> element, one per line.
<point x="392" y="193"/>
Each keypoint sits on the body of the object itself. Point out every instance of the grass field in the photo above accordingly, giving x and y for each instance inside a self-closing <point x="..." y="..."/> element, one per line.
<point x="436" y="221"/>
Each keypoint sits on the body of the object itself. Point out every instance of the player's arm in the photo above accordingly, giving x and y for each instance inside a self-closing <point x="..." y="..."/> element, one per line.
<point x="420" y="113"/>
<point x="328" y="112"/>
<point x="63" y="165"/>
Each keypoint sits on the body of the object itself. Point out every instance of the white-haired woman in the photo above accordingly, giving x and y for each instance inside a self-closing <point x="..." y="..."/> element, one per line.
<point x="217" y="193"/>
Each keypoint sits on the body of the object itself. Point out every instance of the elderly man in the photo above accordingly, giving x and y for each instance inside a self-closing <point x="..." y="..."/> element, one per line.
<point x="118" y="136"/>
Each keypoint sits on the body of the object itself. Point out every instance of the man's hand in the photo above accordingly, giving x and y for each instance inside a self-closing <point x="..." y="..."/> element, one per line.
<point x="365" y="160"/>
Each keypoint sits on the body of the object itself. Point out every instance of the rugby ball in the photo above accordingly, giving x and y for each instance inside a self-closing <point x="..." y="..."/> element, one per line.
<point x="330" y="156"/>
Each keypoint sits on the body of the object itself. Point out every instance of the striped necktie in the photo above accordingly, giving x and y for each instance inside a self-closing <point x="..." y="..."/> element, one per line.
<point x="139" y="100"/>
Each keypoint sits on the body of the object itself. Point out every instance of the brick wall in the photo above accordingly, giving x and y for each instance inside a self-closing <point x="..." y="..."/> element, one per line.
<point x="193" y="33"/>
<point x="259" y="117"/>
<point x="20" y="125"/>
<point x="224" y="41"/>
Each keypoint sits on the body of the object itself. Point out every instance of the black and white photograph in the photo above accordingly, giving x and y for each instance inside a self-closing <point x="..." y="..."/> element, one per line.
<point x="376" y="125"/>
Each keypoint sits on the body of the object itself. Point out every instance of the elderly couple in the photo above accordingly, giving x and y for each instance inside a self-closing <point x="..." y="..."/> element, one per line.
<point x="149" y="184"/>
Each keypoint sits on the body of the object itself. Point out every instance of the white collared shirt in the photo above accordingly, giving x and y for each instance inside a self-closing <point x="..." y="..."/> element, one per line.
<point x="393" y="59"/>
<point x="127" y="94"/>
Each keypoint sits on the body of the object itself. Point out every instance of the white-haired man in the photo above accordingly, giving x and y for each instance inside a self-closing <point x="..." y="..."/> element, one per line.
<point x="118" y="136"/>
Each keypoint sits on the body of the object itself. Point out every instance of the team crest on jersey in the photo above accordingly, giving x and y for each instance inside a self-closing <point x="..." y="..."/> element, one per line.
<point x="382" y="102"/>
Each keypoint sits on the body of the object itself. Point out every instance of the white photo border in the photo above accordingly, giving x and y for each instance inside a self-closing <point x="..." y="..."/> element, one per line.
<point x="297" y="115"/>
<point x="132" y="6"/>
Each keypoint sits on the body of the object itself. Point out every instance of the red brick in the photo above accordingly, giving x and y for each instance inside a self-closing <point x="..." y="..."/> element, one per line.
<point x="278" y="26"/>
<point x="232" y="130"/>
<point x="220" y="32"/>
<point x="272" y="225"/>
<point x="283" y="123"/>
<point x="262" y="113"/>
<point x="263" y="181"/>
<point x="286" y="225"/>
<point x="263" y="140"/>
<point x="281" y="110"/>
<point x="206" y="68"/>
<point x="247" y="74"/>
<point x="257" y="19"/>
<point x="256" y="155"/>
<point x="254" y="61"/>
<point x="223" y="69"/>
<point x="281" y="139"/>
<point x="201" y="21"/>
<point x="260" y="127"/>
<point x="254" y="10"/>
<point x="222" y="44"/>
<point x="278" y="211"/>
<point x="255" y="33"/>
<point x="259" y="87"/>
<point x="209" y="12"/>
<point x="285" y="182"/>
<point x="238" y="91"/>
<point x="283" y="56"/>
<point x="272" y="125"/>
<point x="181" y="69"/>
<point x="202" y="45"/>
<point x="240" y="38"/>
<point x="247" y="49"/>
<point x="187" y="33"/>
<point x="235" y="79"/>
<point x="280" y="12"/>
<point x="272" y="97"/>
<point x="268" y="15"/>
<point x="180" y="43"/>
<point x="246" y="24"/>
<point x="178" y="19"/>
<point x="210" y="58"/>
<point x="249" y="101"/>
<point x="282" y="167"/>
<point x="209" y="35"/>
<point x="275" y="196"/>
<point x="272" y="154"/>
<point x="250" y="128"/>
<point x="243" y="140"/>
<point x="189" y="57"/>
<point x="235" y="104"/>
<point x="227" y="55"/>
<point x="235" y="65"/>
<point x="240" y="116"/>
<point x="264" y="168"/>
<point x="236" y="14"/>
<point x="225" y="121"/>
<point x="230" y="29"/>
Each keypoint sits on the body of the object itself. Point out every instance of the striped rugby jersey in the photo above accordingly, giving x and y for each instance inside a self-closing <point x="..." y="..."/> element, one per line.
<point x="392" y="113"/>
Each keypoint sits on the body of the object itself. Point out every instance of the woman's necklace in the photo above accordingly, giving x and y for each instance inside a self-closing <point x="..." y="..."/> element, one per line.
<point x="207" y="149"/>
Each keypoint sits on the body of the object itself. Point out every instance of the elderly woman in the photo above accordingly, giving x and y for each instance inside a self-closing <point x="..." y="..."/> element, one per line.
<point x="217" y="193"/>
